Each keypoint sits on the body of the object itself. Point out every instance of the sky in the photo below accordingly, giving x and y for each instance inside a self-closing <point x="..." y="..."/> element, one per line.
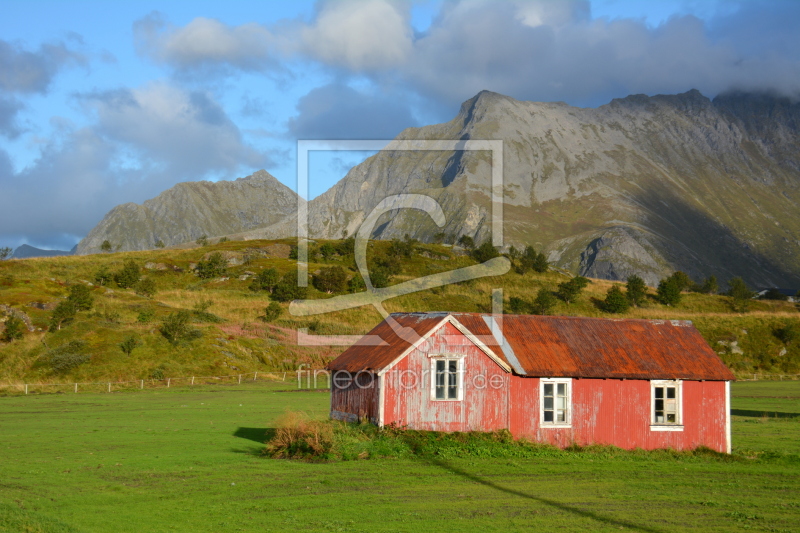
<point x="104" y="103"/>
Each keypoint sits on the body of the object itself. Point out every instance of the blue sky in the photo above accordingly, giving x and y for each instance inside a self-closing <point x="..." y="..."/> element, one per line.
<point x="104" y="103"/>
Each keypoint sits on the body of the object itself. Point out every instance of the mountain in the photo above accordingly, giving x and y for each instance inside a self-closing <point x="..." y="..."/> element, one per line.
<point x="190" y="210"/>
<point x="644" y="185"/>
<point x="26" y="251"/>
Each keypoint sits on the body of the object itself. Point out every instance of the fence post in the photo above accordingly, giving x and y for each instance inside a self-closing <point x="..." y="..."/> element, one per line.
<point x="142" y="385"/>
<point x="26" y="388"/>
<point x="168" y="380"/>
<point x="192" y="380"/>
<point x="76" y="388"/>
<point x="240" y="379"/>
<point x="109" y="386"/>
<point x="255" y="376"/>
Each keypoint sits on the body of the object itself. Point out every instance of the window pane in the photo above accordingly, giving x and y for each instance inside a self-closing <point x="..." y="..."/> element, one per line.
<point x="659" y="418"/>
<point x="659" y="392"/>
<point x="548" y="416"/>
<point x="561" y="402"/>
<point x="670" y="392"/>
<point x="562" y="389"/>
<point x="671" y="418"/>
<point x="548" y="403"/>
<point x="440" y="375"/>
<point x="440" y="366"/>
<point x="548" y="389"/>
<point x="659" y="405"/>
<point x="562" y="416"/>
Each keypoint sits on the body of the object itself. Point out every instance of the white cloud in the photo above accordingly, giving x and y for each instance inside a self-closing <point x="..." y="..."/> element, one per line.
<point x="23" y="71"/>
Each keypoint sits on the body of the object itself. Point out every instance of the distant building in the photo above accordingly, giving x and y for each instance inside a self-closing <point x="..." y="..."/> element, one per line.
<point x="561" y="380"/>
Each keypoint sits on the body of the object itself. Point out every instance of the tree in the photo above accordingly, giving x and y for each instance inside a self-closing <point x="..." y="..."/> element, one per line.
<point x="103" y="276"/>
<point x="330" y="279"/>
<point x="517" y="305"/>
<point x="272" y="312"/>
<point x="175" y="327"/>
<point x="635" y="290"/>
<point x="128" y="276"/>
<point x="466" y="241"/>
<point x="485" y="252"/>
<point x="775" y="294"/>
<point x="5" y="253"/>
<point x="682" y="280"/>
<point x="128" y="345"/>
<point x="146" y="287"/>
<point x="404" y="248"/>
<point x="740" y="295"/>
<point x="287" y="288"/>
<point x="668" y="291"/>
<point x="710" y="285"/>
<point x="15" y="328"/>
<point x="544" y="302"/>
<point x="569" y="291"/>
<point x="265" y="280"/>
<point x="202" y="240"/>
<point x="81" y="297"/>
<point x="64" y="313"/>
<point x="159" y="243"/>
<point x="529" y="260"/>
<point x="215" y="266"/>
<point x="106" y="246"/>
<point x="356" y="284"/>
<point x="616" y="301"/>
<point x="788" y="334"/>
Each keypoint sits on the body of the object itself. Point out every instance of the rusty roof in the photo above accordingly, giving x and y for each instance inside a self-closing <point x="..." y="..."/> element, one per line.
<point x="555" y="346"/>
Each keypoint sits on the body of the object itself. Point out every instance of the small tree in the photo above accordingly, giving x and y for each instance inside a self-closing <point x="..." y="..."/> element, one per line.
<point x="327" y="250"/>
<point x="202" y="240"/>
<point x="710" y="285"/>
<point x="616" y="301"/>
<point x="216" y="265"/>
<point x="775" y="294"/>
<point x="128" y="276"/>
<point x="81" y="297"/>
<point x="668" y="292"/>
<point x="544" y="302"/>
<point x="106" y="247"/>
<point x="788" y="334"/>
<point x="15" y="328"/>
<point x="176" y="328"/>
<point x="682" y="280"/>
<point x="517" y="305"/>
<point x="265" y="280"/>
<point x="128" y="345"/>
<point x="159" y="243"/>
<point x="5" y="253"/>
<point x="635" y="290"/>
<point x="466" y="241"/>
<point x="569" y="291"/>
<point x="485" y="252"/>
<point x="146" y="287"/>
<point x="330" y="279"/>
<point x="356" y="284"/>
<point x="103" y="276"/>
<point x="740" y="295"/>
<point x="273" y="312"/>
<point x="287" y="288"/>
<point x="64" y="312"/>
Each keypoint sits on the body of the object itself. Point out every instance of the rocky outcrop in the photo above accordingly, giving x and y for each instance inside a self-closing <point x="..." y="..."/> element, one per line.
<point x="190" y="210"/>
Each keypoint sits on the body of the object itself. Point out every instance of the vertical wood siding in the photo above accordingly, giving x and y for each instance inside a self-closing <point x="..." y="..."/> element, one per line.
<point x="354" y="402"/>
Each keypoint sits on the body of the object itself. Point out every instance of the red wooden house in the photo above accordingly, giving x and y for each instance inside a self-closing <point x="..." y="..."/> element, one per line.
<point x="629" y="383"/>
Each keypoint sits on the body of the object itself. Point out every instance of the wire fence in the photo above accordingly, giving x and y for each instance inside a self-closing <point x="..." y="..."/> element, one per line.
<point x="305" y="379"/>
<point x="767" y="377"/>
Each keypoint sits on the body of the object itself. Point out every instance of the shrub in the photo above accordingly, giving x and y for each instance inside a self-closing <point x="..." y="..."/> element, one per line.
<point x="5" y="253"/>
<point x="327" y="250"/>
<point x="103" y="276"/>
<point x="710" y="285"/>
<point x="128" y="345"/>
<point x="466" y="241"/>
<point x="356" y="284"/>
<point x="615" y="301"/>
<point x="202" y="240"/>
<point x="740" y="295"/>
<point x="569" y="291"/>
<point x="330" y="279"/>
<point x="111" y="316"/>
<point x="404" y="248"/>
<point x="775" y="294"/>
<point x="299" y="437"/>
<point x="668" y="292"/>
<point x="484" y="252"/>
<point x="215" y="266"/>
<point x="788" y="334"/>
<point x="272" y="312"/>
<point x="66" y="357"/>
<point x="145" y="316"/>
<point x="176" y="328"/>
<point x="81" y="297"/>
<point x="544" y="302"/>
<point x="146" y="287"/>
<point x="635" y="290"/>
<point x="128" y="276"/>
<point x="517" y="305"/>
<point x="682" y="280"/>
<point x="265" y="280"/>
<point x="159" y="243"/>
<point x="222" y="240"/>
<point x="286" y="289"/>
<point x="64" y="313"/>
<point x="15" y="329"/>
<point x="106" y="246"/>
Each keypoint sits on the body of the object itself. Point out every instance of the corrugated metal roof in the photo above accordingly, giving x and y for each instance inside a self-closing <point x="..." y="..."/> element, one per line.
<point x="550" y="346"/>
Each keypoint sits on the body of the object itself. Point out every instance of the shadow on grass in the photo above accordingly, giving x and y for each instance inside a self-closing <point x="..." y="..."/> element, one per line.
<point x="552" y="503"/>
<point x="767" y="414"/>
<point x="259" y="435"/>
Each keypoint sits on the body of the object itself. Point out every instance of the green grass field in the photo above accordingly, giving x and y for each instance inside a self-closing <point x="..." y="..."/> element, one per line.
<point x="189" y="460"/>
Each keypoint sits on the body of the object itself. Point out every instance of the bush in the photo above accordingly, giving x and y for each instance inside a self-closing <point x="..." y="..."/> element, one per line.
<point x="775" y="294"/>
<point x="466" y="241"/>
<point x="202" y="240"/>
<point x="298" y="437"/>
<point x="128" y="345"/>
<point x="404" y="248"/>
<point x="569" y="291"/>
<point x="145" y="316"/>
<point x="64" y="313"/>
<point x="66" y="357"/>
<point x="544" y="302"/>
<point x="668" y="291"/>
<point x="287" y="289"/>
<point x="81" y="297"/>
<point x="740" y="295"/>
<point x="103" y="276"/>
<point x="682" y="280"/>
<point x="517" y="305"/>
<point x="15" y="329"/>
<point x="327" y="250"/>
<point x="788" y="334"/>
<point x="176" y="328"/>
<point x="484" y="252"/>
<point x="330" y="279"/>
<point x="710" y="285"/>
<point x="272" y="312"/>
<point x="265" y="280"/>
<point x="615" y="301"/>
<point x="215" y="266"/>
<point x="159" y="243"/>
<point x="146" y="287"/>
<point x="528" y="260"/>
<point x="635" y="290"/>
<point x="106" y="246"/>
<point x="356" y="284"/>
<point x="128" y="276"/>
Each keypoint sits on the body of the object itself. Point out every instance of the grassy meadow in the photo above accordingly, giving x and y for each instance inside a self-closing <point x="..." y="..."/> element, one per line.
<point x="184" y="459"/>
<point x="233" y="336"/>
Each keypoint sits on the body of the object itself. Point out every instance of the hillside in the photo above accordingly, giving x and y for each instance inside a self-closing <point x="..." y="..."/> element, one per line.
<point x="233" y="339"/>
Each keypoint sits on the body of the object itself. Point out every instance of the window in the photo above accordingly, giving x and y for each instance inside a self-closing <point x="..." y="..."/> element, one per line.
<point x="556" y="405"/>
<point x="666" y="406"/>
<point x="447" y="373"/>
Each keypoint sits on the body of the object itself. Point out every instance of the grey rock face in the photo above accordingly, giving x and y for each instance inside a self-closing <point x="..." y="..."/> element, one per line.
<point x="189" y="210"/>
<point x="619" y="253"/>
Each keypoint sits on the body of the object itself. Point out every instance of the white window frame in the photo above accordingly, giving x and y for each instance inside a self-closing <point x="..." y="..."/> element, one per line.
<point x="459" y="358"/>
<point x="568" y="417"/>
<point x="666" y="426"/>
